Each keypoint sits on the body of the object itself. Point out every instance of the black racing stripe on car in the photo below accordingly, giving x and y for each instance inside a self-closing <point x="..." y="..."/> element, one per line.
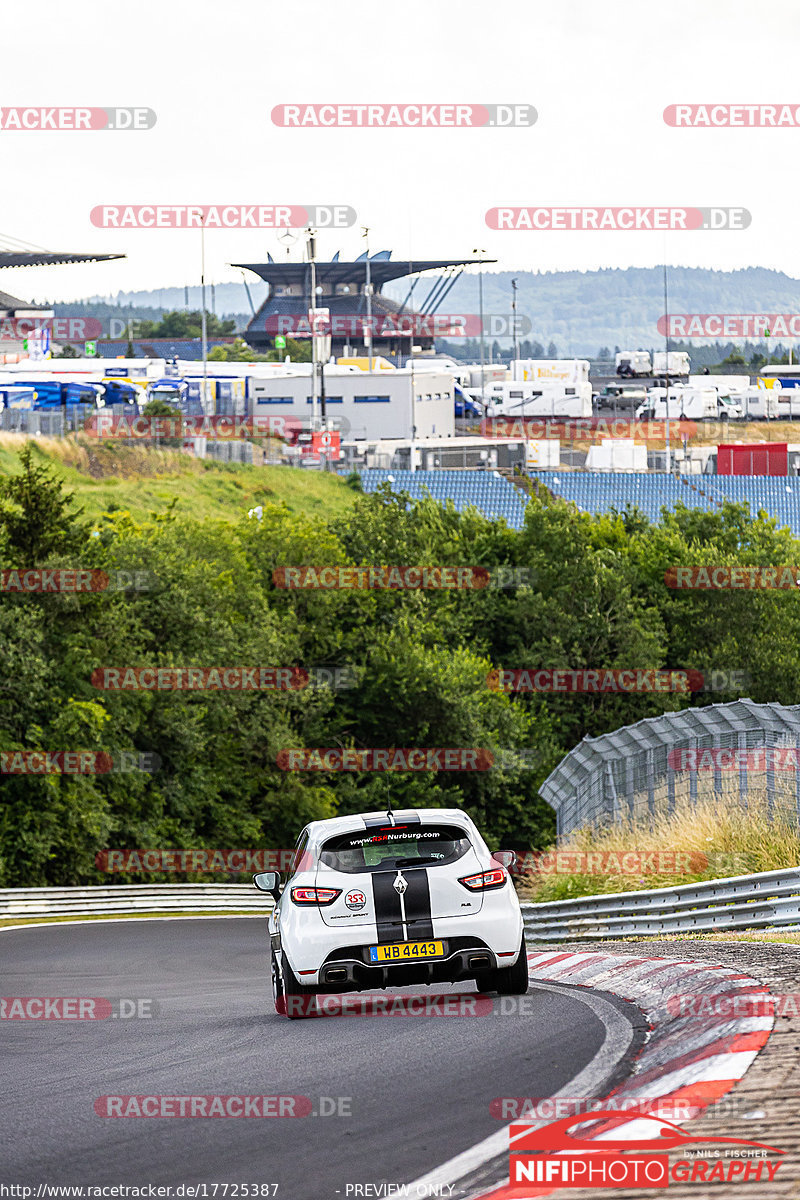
<point x="418" y="904"/>
<point x="388" y="913"/>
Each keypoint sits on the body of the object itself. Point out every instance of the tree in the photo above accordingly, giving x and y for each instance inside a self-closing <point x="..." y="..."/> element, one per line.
<point x="298" y="351"/>
<point x="238" y="352"/>
<point x="179" y="324"/>
<point x="604" y="354"/>
<point x="35" y="513"/>
<point x="552" y="351"/>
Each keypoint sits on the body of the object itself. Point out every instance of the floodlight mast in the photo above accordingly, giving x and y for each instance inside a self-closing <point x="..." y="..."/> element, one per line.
<point x="312" y="258"/>
<point x="368" y="293"/>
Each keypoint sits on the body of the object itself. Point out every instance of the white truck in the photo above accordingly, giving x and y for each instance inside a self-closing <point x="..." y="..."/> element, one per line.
<point x="726" y="383"/>
<point x="568" y="370"/>
<point x="674" y="362"/>
<point x="692" y="403"/>
<point x="629" y="363"/>
<point x="539" y="398"/>
<point x="488" y="373"/>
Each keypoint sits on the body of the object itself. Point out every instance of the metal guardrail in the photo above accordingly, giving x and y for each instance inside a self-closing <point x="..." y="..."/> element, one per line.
<point x="768" y="900"/>
<point x="134" y="898"/>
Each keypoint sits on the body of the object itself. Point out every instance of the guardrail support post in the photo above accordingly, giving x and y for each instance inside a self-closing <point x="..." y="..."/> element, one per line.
<point x="743" y="797"/>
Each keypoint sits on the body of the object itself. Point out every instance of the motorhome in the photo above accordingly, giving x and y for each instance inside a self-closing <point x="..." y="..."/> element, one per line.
<point x="760" y="404"/>
<point x="539" y="398"/>
<point x="693" y="403"/>
<point x="633" y="362"/>
<point x="673" y="362"/>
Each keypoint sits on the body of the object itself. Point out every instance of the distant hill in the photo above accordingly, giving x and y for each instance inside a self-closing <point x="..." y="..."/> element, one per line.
<point x="580" y="311"/>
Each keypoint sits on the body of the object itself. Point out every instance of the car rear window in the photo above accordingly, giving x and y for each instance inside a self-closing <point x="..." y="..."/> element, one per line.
<point x="393" y="846"/>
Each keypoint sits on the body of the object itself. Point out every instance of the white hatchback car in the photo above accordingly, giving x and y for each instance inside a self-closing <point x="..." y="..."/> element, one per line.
<point x="392" y="899"/>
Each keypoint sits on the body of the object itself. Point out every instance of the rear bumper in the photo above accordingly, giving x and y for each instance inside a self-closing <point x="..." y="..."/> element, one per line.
<point x="465" y="957"/>
<point x="310" y="945"/>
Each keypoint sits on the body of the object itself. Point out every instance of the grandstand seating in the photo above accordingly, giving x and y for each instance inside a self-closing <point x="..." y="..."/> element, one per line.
<point x="491" y="494"/>
<point x="600" y="491"/>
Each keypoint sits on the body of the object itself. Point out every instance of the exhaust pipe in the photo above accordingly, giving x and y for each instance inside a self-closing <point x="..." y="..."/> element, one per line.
<point x="479" y="962"/>
<point x="335" y="974"/>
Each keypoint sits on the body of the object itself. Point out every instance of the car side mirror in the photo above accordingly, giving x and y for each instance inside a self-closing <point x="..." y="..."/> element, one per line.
<point x="506" y="858"/>
<point x="268" y="881"/>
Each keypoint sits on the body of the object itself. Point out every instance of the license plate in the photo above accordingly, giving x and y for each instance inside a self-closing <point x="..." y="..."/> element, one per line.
<point x="406" y="951"/>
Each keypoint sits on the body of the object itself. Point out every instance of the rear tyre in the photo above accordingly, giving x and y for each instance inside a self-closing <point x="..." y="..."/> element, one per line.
<point x="298" y="999"/>
<point x="507" y="981"/>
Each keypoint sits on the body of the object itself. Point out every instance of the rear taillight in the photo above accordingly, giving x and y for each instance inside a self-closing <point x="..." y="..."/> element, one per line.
<point x="314" y="895"/>
<point x="485" y="880"/>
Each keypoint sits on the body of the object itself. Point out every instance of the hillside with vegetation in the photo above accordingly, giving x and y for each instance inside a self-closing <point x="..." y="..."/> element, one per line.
<point x="420" y="662"/>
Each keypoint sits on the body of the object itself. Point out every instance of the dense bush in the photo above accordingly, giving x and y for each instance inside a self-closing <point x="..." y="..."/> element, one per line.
<point x="594" y="597"/>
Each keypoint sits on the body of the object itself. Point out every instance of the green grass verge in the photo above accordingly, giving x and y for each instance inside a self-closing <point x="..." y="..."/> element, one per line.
<point x="144" y="480"/>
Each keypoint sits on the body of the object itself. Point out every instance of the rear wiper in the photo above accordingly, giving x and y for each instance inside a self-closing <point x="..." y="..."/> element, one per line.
<point x="409" y="862"/>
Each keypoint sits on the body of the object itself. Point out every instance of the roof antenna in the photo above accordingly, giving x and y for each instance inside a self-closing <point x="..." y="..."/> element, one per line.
<point x="389" y="812"/>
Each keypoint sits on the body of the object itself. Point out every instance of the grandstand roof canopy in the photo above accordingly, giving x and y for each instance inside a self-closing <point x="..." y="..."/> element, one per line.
<point x="334" y="272"/>
<point x="10" y="306"/>
<point x="44" y="258"/>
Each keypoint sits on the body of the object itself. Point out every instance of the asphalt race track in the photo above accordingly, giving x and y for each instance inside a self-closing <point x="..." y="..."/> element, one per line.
<point x="419" y="1089"/>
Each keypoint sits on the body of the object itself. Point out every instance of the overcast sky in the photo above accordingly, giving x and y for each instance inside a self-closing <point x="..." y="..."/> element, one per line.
<point x="599" y="75"/>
